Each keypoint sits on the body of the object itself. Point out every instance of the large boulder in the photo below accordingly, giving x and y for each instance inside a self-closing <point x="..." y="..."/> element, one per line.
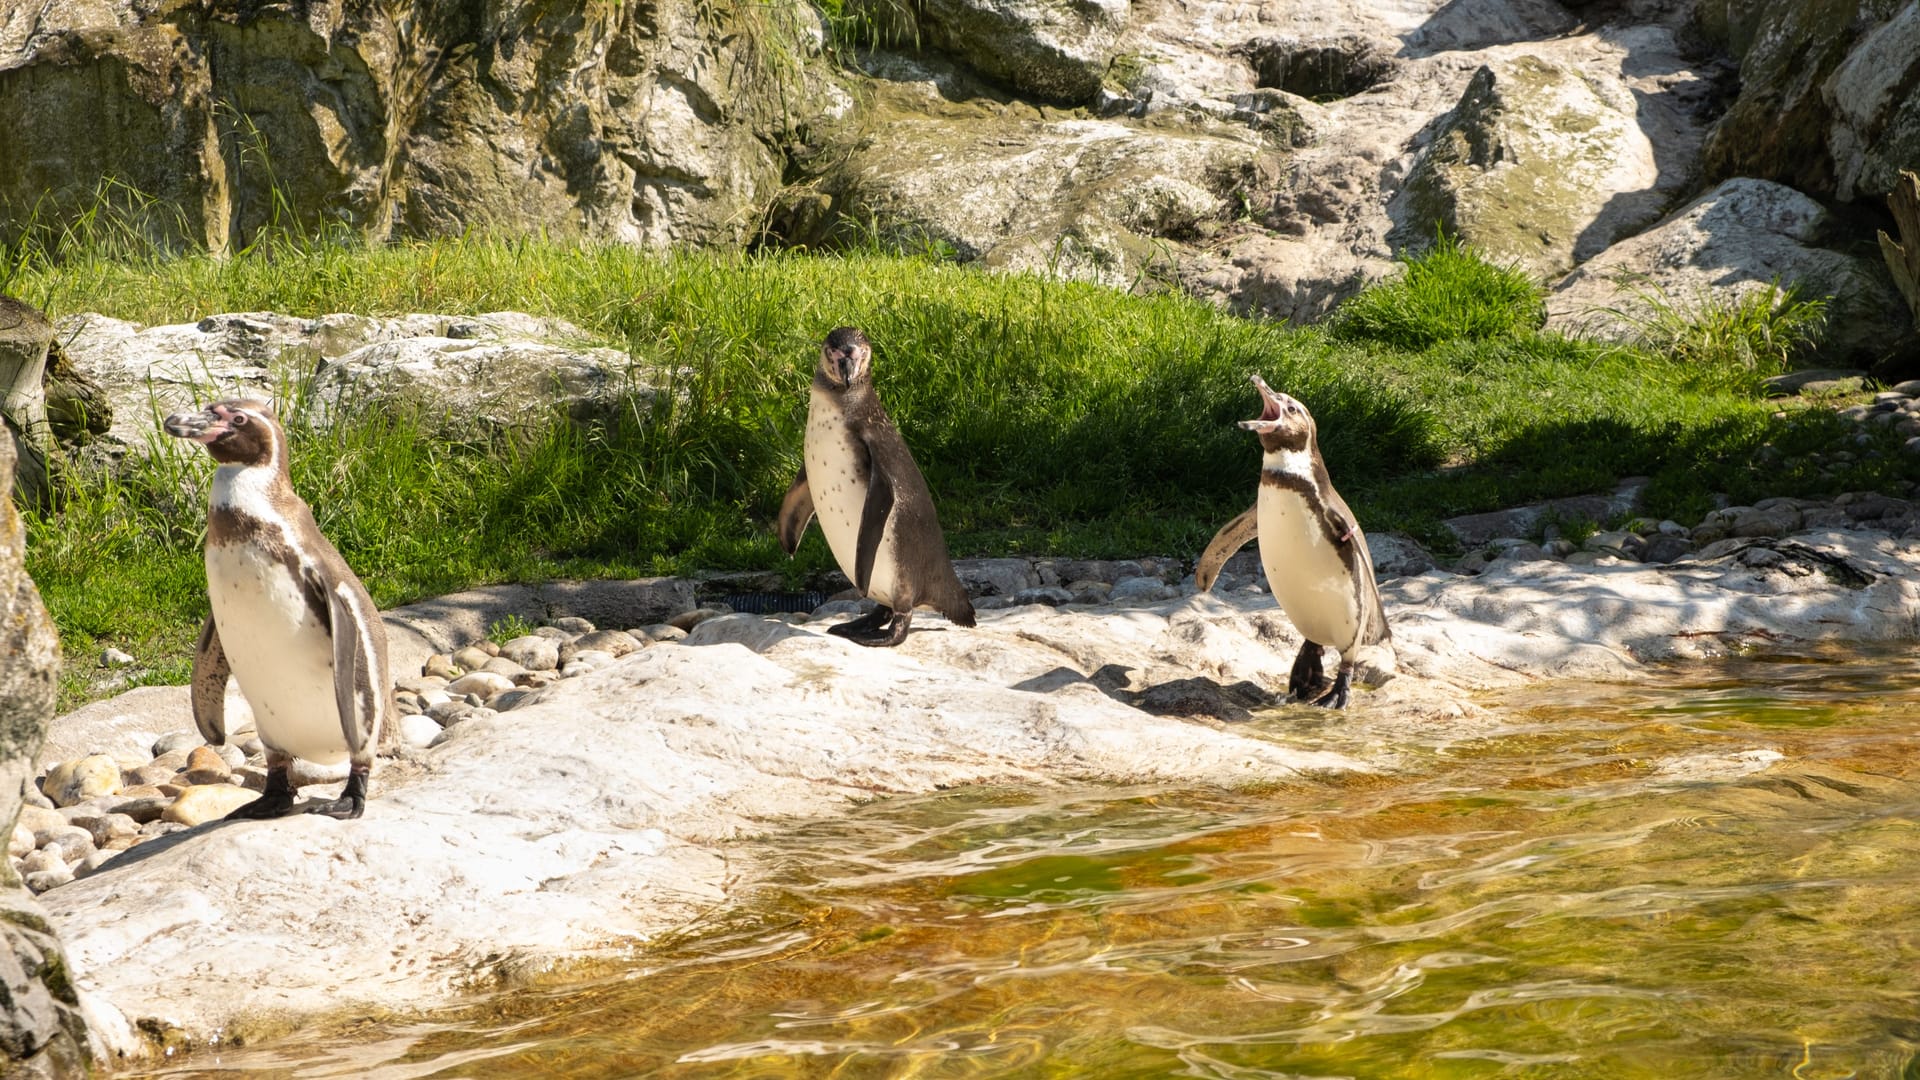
<point x="1537" y="165"/>
<point x="1055" y="50"/>
<point x="653" y="124"/>
<point x="1743" y="236"/>
<point x="502" y="367"/>
<point x="1825" y="102"/>
<point x="42" y="1031"/>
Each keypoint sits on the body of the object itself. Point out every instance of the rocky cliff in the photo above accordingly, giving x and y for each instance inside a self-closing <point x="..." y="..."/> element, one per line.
<point x="1272" y="157"/>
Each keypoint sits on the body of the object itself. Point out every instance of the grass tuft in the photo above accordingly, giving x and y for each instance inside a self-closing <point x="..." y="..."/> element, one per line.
<point x="1758" y="333"/>
<point x="1446" y="293"/>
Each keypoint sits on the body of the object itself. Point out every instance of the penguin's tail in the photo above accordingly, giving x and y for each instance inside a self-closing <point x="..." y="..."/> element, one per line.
<point x="956" y="605"/>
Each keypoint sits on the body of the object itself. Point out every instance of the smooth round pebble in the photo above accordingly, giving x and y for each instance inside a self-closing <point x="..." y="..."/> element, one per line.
<point x="22" y="842"/>
<point x="615" y="642"/>
<point x="71" y="841"/>
<point x="111" y="658"/>
<point x="573" y="624"/>
<point x="662" y="632"/>
<point x="202" y="803"/>
<point x="419" y="730"/>
<point x="206" y="766"/>
<point x="441" y="666"/>
<point x="48" y="879"/>
<point x="484" y="683"/>
<point x="500" y="665"/>
<point x="472" y="658"/>
<point x="449" y="712"/>
<point x="575" y="670"/>
<point x="81" y="779"/>
<point x="33" y="862"/>
<point x="176" y="740"/>
<point x="554" y="632"/>
<point x="687" y="620"/>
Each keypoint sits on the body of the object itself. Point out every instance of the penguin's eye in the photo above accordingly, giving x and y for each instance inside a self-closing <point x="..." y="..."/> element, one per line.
<point x="239" y="420"/>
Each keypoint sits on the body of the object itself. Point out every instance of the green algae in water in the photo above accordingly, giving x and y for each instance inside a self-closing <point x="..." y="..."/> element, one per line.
<point x="1611" y="882"/>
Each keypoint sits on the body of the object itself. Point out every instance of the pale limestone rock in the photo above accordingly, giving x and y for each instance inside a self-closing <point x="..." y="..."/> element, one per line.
<point x="81" y="779"/>
<point x="202" y="803"/>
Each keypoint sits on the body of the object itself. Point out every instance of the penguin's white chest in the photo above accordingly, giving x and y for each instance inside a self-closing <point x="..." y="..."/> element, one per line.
<point x="1306" y="571"/>
<point x="833" y="456"/>
<point x="280" y="652"/>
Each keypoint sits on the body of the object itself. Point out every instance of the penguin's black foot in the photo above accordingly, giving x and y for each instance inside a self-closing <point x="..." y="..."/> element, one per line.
<point x="1308" y="676"/>
<point x="1336" y="698"/>
<point x="274" y="802"/>
<point x="894" y="634"/>
<point x="351" y="803"/>
<point x="865" y="625"/>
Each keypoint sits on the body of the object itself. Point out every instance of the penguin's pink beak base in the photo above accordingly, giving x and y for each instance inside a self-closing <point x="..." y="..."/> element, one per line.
<point x="1272" y="406"/>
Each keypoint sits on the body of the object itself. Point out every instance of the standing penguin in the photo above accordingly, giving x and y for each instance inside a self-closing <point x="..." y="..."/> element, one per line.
<point x="290" y="620"/>
<point x="874" y="506"/>
<point x="1313" y="551"/>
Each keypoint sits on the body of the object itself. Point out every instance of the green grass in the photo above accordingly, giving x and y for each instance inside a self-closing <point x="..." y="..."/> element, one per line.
<point x="1447" y="293"/>
<point x="1048" y="417"/>
<point x="1761" y="332"/>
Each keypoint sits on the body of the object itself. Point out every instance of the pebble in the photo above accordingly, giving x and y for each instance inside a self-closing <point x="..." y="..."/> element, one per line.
<point x="206" y="766"/>
<point x="71" y="841"/>
<point x="106" y="828"/>
<point x="420" y="684"/>
<point x="511" y="699"/>
<point x="616" y="642"/>
<point x="251" y="746"/>
<point x="687" y="620"/>
<point x="573" y="625"/>
<point x="1141" y="590"/>
<point x="484" y="683"/>
<point x="500" y="665"/>
<point x="442" y="666"/>
<point x="472" y="658"/>
<point x="43" y="880"/>
<point x="202" y="803"/>
<point x="665" y="632"/>
<point x="449" y="712"/>
<point x="36" y="861"/>
<point x="1050" y="595"/>
<point x="161" y="828"/>
<point x="532" y="652"/>
<point x="113" y="658"/>
<point x="21" y="843"/>
<point x="575" y="670"/>
<point x="36" y="818"/>
<point x="176" y="740"/>
<point x="251" y="777"/>
<point x="419" y="730"/>
<point x="81" y="779"/>
<point x="145" y="809"/>
<point x="94" y="861"/>
<point x="553" y="632"/>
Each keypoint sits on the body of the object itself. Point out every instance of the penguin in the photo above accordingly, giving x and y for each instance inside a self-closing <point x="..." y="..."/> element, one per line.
<point x="290" y="620"/>
<point x="873" y="504"/>
<point x="1312" y="549"/>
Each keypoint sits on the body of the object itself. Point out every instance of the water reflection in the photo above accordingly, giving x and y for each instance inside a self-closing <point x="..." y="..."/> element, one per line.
<point x="1715" y="873"/>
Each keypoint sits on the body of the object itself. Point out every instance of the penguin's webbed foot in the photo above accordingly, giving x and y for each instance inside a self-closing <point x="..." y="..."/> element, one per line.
<point x="351" y="803"/>
<point x="274" y="802"/>
<point x="1336" y="698"/>
<point x="865" y="625"/>
<point x="1308" y="675"/>
<point x="894" y="634"/>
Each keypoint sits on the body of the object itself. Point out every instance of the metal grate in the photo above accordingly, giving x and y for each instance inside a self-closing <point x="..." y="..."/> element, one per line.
<point x="767" y="603"/>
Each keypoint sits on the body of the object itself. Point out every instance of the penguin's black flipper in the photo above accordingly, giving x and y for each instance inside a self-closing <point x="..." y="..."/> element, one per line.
<point x="796" y="512"/>
<point x="1231" y="538"/>
<point x="873" y="526"/>
<point x="210" y="674"/>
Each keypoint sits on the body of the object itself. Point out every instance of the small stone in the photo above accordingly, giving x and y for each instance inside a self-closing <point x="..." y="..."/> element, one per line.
<point x="161" y="828"/>
<point x="687" y="620"/>
<point x="94" y="861"/>
<point x="669" y="632"/>
<point x="482" y="713"/>
<point x="1559" y="549"/>
<point x="1089" y="591"/>
<point x="202" y="803"/>
<point x="145" y="809"/>
<point x="1673" y="528"/>
<point x="1050" y="595"/>
<point x="176" y="740"/>
<point x="574" y="625"/>
<point x="251" y="777"/>
<point x="441" y="666"/>
<point x="419" y="731"/>
<point x="556" y="634"/>
<point x="1140" y="590"/>
<point x="1911" y="447"/>
<point x="22" y="842"/>
<point x="1760" y="557"/>
<point x="206" y="766"/>
<point x="1619" y="544"/>
<point x="833" y="608"/>
<point x="430" y="698"/>
<point x="1910" y="388"/>
<point x="252" y="747"/>
<point x="81" y="779"/>
<point x="1585" y="558"/>
<point x="484" y="683"/>
<point x="449" y="712"/>
<point x="36" y="818"/>
<point x="148" y="775"/>
<point x="1522" y="553"/>
<point x="33" y="796"/>
<point x="510" y="699"/>
<point x="418" y="684"/>
<point x="231" y="754"/>
<point x="114" y="658"/>
<point x="532" y="652"/>
<point x="408" y="703"/>
<point x="615" y="642"/>
<point x="596" y="659"/>
<point x="48" y="879"/>
<point x="575" y="670"/>
<point x="537" y="679"/>
<point x="105" y="828"/>
<point x="1908" y="426"/>
<point x="500" y="665"/>
<point x="34" y="862"/>
<point x="71" y="841"/>
<point x="475" y="700"/>
<point x="1665" y="548"/>
<point x="1853" y="413"/>
<point x="473" y="658"/>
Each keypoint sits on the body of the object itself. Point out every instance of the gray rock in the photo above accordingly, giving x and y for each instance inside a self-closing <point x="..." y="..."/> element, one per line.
<point x="419" y="731"/>
<point x="532" y="652"/>
<point x="633" y="602"/>
<point x="472" y="658"/>
<point x="511" y="699"/>
<point x="1141" y="590"/>
<point x="615" y="642"/>
<point x="70" y="841"/>
<point x="659" y="632"/>
<point x="1619" y="544"/>
<point x="500" y="665"/>
<point x="573" y="625"/>
<point x="441" y="666"/>
<point x="1665" y="548"/>
<point x="994" y="577"/>
<point x="1522" y="552"/>
<point x="450" y="712"/>
<point x="177" y="740"/>
<point x="1393" y="556"/>
<point x="1056" y="52"/>
<point x="1091" y="592"/>
<point x="115" y="658"/>
<point x="687" y="620"/>
<point x="1052" y="596"/>
<point x="41" y="880"/>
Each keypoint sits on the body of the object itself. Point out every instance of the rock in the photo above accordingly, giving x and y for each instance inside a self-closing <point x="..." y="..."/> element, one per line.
<point x="442" y="666"/>
<point x="205" y="766"/>
<point x="630" y="602"/>
<point x="510" y="700"/>
<point x="1056" y="52"/>
<point x="22" y="841"/>
<point x="532" y="652"/>
<point x="1051" y="596"/>
<point x="41" y="880"/>
<point x="502" y="666"/>
<point x="1476" y="529"/>
<point x="448" y="713"/>
<point x="70" y="842"/>
<point x="994" y="577"/>
<point x="202" y="803"/>
<point x="81" y="779"/>
<point x="472" y="658"/>
<point x="177" y="740"/>
<point x="126" y="727"/>
<point x="1536" y="164"/>
<point x="1619" y="544"/>
<point x="1141" y="590"/>
<point x="1664" y="548"/>
<point x="1089" y="592"/>
<point x="1521" y="552"/>
<point x="453" y="384"/>
<point x="419" y="730"/>
<point x="664" y="632"/>
<point x="573" y="626"/>
<point x="36" y="819"/>
<point x="1733" y="241"/>
<point x="687" y="620"/>
<point x="145" y="809"/>
<point x="35" y="862"/>
<point x="1396" y="556"/>
<point x="614" y="642"/>
<point x="115" y="658"/>
<point x="106" y="828"/>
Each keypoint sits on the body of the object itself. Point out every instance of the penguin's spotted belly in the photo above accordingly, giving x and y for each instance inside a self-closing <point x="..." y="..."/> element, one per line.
<point x="280" y="652"/>
<point x="840" y="495"/>
<point x="1306" y="571"/>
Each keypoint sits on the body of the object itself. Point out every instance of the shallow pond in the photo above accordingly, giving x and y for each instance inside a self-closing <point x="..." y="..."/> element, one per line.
<point x="1711" y="873"/>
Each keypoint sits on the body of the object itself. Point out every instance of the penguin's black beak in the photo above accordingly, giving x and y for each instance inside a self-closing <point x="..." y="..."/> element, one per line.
<point x="202" y="427"/>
